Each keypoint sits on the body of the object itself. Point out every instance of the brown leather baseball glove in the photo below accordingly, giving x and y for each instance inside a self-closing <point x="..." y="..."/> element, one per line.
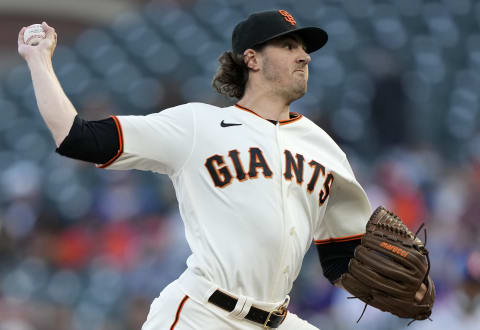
<point x="389" y="267"/>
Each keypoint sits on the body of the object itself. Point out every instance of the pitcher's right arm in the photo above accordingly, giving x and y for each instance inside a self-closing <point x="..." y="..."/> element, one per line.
<point x="56" y="109"/>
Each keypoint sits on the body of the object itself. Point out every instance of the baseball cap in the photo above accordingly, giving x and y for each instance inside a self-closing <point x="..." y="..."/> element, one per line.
<point x="266" y="25"/>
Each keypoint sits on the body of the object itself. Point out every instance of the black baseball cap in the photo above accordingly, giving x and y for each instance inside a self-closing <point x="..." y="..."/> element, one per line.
<point x="266" y="25"/>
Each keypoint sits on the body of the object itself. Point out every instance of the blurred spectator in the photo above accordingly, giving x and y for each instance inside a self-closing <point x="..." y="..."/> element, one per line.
<point x="389" y="116"/>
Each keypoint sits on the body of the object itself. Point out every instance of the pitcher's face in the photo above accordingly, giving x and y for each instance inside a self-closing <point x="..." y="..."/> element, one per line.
<point x="284" y="64"/>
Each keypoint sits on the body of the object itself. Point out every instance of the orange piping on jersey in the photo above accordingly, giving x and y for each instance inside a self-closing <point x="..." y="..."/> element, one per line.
<point x="338" y="239"/>
<point x="291" y="120"/>
<point x="247" y="109"/>
<point x="179" y="310"/>
<point x="281" y="122"/>
<point x="120" y="143"/>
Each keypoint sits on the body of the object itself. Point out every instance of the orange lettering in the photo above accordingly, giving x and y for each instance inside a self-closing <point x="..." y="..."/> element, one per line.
<point x="289" y="18"/>
<point x="394" y="249"/>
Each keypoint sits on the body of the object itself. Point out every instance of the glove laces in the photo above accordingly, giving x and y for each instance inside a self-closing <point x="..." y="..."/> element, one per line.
<point x="364" y="307"/>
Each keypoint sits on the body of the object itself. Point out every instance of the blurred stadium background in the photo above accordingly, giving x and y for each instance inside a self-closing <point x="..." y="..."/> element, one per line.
<point x="397" y="86"/>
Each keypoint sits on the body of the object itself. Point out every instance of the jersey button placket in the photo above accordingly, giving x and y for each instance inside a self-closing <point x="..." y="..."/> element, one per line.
<point x="283" y="261"/>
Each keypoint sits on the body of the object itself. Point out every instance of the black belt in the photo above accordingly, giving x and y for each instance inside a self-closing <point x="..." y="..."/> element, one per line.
<point x="271" y="319"/>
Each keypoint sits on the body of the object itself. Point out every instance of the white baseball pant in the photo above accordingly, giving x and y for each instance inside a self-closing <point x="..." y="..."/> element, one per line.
<point x="181" y="308"/>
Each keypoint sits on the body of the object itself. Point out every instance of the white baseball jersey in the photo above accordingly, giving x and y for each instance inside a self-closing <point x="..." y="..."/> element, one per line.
<point x="253" y="195"/>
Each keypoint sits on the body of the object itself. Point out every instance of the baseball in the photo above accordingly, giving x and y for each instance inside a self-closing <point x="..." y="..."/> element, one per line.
<point x="34" y="34"/>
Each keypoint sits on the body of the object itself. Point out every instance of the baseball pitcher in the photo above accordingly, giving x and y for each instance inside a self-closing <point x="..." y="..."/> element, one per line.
<point x="256" y="185"/>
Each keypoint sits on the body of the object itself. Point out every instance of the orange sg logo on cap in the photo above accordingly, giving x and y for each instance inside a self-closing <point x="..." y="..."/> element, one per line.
<point x="289" y="18"/>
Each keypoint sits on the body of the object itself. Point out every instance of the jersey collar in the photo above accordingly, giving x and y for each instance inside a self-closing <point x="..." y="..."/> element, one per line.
<point x="294" y="116"/>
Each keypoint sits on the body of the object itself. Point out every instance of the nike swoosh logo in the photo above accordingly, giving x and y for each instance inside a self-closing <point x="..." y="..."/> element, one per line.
<point x="224" y="124"/>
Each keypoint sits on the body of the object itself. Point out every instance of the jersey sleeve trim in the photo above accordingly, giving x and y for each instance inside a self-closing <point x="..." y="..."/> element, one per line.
<point x="120" y="144"/>
<point x="337" y="239"/>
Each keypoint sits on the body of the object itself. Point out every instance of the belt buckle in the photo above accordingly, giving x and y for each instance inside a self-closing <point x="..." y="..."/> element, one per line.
<point x="281" y="311"/>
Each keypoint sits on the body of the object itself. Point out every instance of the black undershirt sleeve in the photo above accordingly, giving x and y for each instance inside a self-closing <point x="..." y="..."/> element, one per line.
<point x="335" y="256"/>
<point x="91" y="141"/>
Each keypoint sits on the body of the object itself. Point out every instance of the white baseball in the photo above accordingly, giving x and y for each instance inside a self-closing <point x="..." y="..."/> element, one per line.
<point x="34" y="34"/>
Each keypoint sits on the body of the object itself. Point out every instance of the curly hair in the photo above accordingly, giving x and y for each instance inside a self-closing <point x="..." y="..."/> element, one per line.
<point x="231" y="76"/>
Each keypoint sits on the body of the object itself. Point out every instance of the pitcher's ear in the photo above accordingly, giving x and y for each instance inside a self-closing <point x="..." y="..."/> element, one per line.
<point x="251" y="59"/>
